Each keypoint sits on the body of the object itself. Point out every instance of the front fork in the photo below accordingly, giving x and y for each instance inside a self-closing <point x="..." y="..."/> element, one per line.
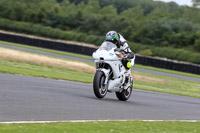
<point x="129" y="80"/>
<point x="106" y="73"/>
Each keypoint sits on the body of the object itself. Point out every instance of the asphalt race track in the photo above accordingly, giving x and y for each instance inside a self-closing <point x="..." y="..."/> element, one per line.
<point x="25" y="98"/>
<point x="91" y="61"/>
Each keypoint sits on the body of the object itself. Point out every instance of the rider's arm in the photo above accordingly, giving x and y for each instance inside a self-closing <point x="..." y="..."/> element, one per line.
<point x="127" y="50"/>
<point x="125" y="47"/>
<point x="130" y="54"/>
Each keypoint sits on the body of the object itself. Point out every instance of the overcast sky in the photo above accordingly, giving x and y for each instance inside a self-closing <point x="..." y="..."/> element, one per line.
<point x="180" y="2"/>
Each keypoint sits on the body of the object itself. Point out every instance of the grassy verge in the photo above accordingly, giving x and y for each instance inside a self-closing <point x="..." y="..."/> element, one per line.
<point x="104" y="127"/>
<point x="142" y="80"/>
<point x="38" y="70"/>
<point x="90" y="58"/>
<point x="167" y="71"/>
<point x="47" y="50"/>
<point x="167" y="84"/>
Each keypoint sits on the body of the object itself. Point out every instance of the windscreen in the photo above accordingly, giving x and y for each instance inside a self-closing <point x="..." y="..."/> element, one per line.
<point x="107" y="46"/>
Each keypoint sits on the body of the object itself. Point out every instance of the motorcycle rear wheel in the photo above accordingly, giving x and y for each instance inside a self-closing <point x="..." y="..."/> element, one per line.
<point x="124" y="95"/>
<point x="99" y="88"/>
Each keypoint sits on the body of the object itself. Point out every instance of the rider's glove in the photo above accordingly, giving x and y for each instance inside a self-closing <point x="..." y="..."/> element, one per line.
<point x="130" y="55"/>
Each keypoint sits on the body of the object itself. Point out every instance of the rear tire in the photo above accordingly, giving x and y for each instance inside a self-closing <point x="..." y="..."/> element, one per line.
<point x="100" y="90"/>
<point x="125" y="94"/>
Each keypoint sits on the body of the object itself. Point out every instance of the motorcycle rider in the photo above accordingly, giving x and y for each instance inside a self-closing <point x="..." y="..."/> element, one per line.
<point x="122" y="45"/>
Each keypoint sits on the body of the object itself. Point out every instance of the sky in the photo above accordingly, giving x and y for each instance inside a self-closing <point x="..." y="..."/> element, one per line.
<point x="180" y="2"/>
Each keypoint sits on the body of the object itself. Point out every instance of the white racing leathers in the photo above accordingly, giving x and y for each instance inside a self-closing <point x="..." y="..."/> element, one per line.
<point x="125" y="47"/>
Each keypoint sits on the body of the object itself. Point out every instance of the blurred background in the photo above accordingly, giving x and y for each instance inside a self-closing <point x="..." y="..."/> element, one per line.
<point x="164" y="28"/>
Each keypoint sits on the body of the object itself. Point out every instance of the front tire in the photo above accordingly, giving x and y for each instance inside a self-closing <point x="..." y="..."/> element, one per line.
<point x="100" y="89"/>
<point x="124" y="95"/>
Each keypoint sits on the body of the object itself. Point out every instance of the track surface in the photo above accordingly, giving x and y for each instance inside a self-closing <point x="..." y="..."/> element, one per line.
<point x="91" y="61"/>
<point x="25" y="98"/>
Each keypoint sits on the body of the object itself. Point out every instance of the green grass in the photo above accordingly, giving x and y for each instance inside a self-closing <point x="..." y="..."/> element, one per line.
<point x="104" y="127"/>
<point x="90" y="58"/>
<point x="167" y="71"/>
<point x="171" y="85"/>
<point x="37" y="70"/>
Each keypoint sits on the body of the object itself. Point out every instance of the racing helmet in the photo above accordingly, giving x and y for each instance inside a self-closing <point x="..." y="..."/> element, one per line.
<point x="112" y="36"/>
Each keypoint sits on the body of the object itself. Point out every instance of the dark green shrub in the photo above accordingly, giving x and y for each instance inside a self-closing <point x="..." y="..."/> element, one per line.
<point x="197" y="45"/>
<point x="45" y="31"/>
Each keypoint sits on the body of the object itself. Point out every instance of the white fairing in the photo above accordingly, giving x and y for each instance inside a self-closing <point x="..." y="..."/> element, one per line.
<point x="106" y="54"/>
<point x="106" y="51"/>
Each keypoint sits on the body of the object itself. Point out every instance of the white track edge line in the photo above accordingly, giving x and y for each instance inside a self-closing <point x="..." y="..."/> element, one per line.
<point x="74" y="121"/>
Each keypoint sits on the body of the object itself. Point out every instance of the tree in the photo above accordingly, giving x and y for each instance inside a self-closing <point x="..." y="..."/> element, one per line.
<point x="133" y="13"/>
<point x="197" y="41"/>
<point x="92" y="7"/>
<point x="109" y="11"/>
<point x="158" y="13"/>
<point x="196" y="3"/>
<point x="197" y="45"/>
<point x="16" y="10"/>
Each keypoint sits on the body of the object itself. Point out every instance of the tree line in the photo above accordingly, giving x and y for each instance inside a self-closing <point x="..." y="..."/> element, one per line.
<point x="144" y="22"/>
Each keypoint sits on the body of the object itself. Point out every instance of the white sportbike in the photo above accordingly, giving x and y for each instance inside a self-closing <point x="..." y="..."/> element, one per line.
<point x="111" y="75"/>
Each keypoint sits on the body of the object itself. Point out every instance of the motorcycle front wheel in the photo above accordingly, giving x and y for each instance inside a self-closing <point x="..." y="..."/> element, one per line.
<point x="100" y="89"/>
<point x="124" y="95"/>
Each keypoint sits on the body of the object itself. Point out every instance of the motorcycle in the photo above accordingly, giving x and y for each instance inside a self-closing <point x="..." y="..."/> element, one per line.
<point x="111" y="75"/>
